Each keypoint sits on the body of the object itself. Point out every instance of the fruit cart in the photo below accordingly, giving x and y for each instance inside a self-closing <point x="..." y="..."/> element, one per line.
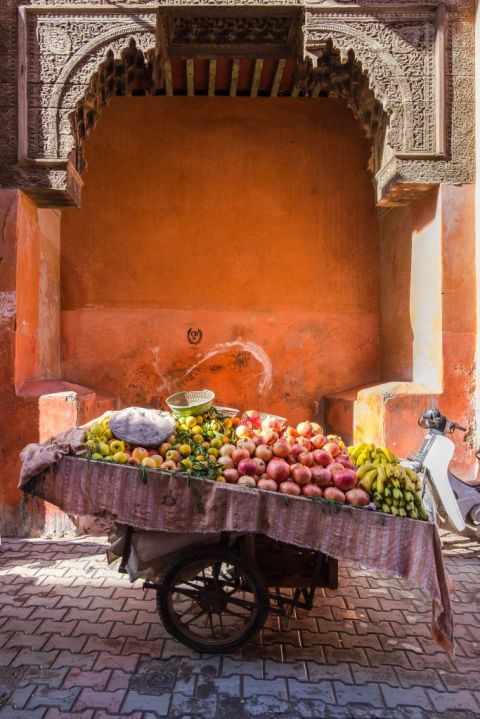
<point x="224" y="549"/>
<point x="243" y="547"/>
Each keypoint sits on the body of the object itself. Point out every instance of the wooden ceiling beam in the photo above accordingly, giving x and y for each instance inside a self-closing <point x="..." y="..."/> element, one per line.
<point x="212" y="76"/>
<point x="168" y="78"/>
<point x="234" y="79"/>
<point x="278" y="77"/>
<point x="257" y="73"/>
<point x="190" y="78"/>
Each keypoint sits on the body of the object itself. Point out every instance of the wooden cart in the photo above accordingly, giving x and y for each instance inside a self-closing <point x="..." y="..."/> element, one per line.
<point x="215" y="597"/>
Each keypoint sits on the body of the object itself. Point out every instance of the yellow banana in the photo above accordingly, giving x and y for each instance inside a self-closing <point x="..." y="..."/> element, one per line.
<point x="380" y="484"/>
<point x="413" y="475"/>
<point x="355" y="450"/>
<point x="381" y="473"/>
<point x="367" y="480"/>
<point x="409" y="485"/>
<point x="361" y="458"/>
<point x="364" y="469"/>
<point x="388" y="454"/>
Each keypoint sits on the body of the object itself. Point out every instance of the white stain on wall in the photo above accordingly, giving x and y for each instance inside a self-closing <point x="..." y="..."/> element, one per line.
<point x="166" y="382"/>
<point x="266" y="376"/>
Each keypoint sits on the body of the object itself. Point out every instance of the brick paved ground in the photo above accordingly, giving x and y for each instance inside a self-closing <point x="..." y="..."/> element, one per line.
<point x="77" y="640"/>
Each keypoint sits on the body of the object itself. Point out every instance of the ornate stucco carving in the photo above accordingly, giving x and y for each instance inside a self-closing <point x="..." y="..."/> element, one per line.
<point x="419" y="66"/>
<point x="230" y="30"/>
<point x="331" y="75"/>
<point x="56" y="80"/>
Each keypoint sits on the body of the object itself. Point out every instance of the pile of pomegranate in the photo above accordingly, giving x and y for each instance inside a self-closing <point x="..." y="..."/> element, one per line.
<point x="296" y="461"/>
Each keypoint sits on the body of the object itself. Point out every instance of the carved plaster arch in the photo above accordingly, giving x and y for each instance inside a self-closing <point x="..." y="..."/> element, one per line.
<point x="344" y="77"/>
<point x="404" y="49"/>
<point x="135" y="72"/>
<point x="82" y="56"/>
<point x="398" y="104"/>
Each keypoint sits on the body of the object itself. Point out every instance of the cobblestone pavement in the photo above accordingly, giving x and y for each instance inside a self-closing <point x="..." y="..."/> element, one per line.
<point x="77" y="640"/>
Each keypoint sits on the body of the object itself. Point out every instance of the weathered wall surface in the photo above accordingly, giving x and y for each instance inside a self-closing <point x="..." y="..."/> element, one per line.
<point x="18" y="416"/>
<point x="34" y="402"/>
<point x="251" y="220"/>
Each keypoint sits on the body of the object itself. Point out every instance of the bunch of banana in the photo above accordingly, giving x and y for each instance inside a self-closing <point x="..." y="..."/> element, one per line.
<point x="361" y="454"/>
<point x="395" y="489"/>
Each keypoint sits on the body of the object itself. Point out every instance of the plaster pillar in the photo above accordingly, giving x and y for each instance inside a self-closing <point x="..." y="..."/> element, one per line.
<point x="18" y="418"/>
<point x="49" y="294"/>
<point x="38" y="293"/>
<point x="35" y="403"/>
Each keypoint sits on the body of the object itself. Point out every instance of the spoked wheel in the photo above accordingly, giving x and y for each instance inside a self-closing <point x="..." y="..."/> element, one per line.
<point x="212" y="599"/>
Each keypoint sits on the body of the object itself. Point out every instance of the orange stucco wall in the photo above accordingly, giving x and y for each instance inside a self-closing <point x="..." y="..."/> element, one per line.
<point x="33" y="405"/>
<point x="18" y="322"/>
<point x="459" y="318"/>
<point x="27" y="281"/>
<point x="252" y="220"/>
<point x="448" y="215"/>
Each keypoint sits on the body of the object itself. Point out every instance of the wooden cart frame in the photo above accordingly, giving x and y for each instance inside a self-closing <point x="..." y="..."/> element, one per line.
<point x="229" y="587"/>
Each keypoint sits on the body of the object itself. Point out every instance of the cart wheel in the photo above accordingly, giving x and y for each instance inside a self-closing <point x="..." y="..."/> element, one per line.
<point x="212" y="599"/>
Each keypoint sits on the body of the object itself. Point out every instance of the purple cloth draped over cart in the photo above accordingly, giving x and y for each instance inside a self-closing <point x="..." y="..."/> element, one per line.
<point x="162" y="501"/>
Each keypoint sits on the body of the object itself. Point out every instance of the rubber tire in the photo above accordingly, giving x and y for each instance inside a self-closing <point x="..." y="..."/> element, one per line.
<point x="214" y="553"/>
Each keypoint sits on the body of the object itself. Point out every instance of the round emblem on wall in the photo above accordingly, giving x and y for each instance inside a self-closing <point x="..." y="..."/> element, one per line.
<point x="194" y="336"/>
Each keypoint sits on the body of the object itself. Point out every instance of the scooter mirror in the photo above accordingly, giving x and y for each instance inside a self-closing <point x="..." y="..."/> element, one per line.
<point x="432" y="419"/>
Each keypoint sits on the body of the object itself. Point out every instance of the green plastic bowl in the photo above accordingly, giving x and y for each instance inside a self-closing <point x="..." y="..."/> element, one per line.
<point x="191" y="403"/>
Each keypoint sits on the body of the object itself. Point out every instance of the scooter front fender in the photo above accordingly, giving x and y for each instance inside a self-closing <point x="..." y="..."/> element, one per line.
<point x="437" y="461"/>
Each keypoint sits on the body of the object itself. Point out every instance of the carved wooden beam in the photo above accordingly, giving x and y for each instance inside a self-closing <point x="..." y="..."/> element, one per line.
<point x="190" y="78"/>
<point x="232" y="31"/>
<point x="234" y="78"/>
<point x="212" y="75"/>
<point x="278" y="77"/>
<point x="257" y="73"/>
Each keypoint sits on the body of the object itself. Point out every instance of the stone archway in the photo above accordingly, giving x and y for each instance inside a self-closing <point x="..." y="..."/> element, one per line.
<point x="392" y="45"/>
<point x="135" y="72"/>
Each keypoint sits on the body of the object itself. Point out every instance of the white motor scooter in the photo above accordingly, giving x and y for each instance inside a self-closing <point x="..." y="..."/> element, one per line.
<point x="450" y="502"/>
